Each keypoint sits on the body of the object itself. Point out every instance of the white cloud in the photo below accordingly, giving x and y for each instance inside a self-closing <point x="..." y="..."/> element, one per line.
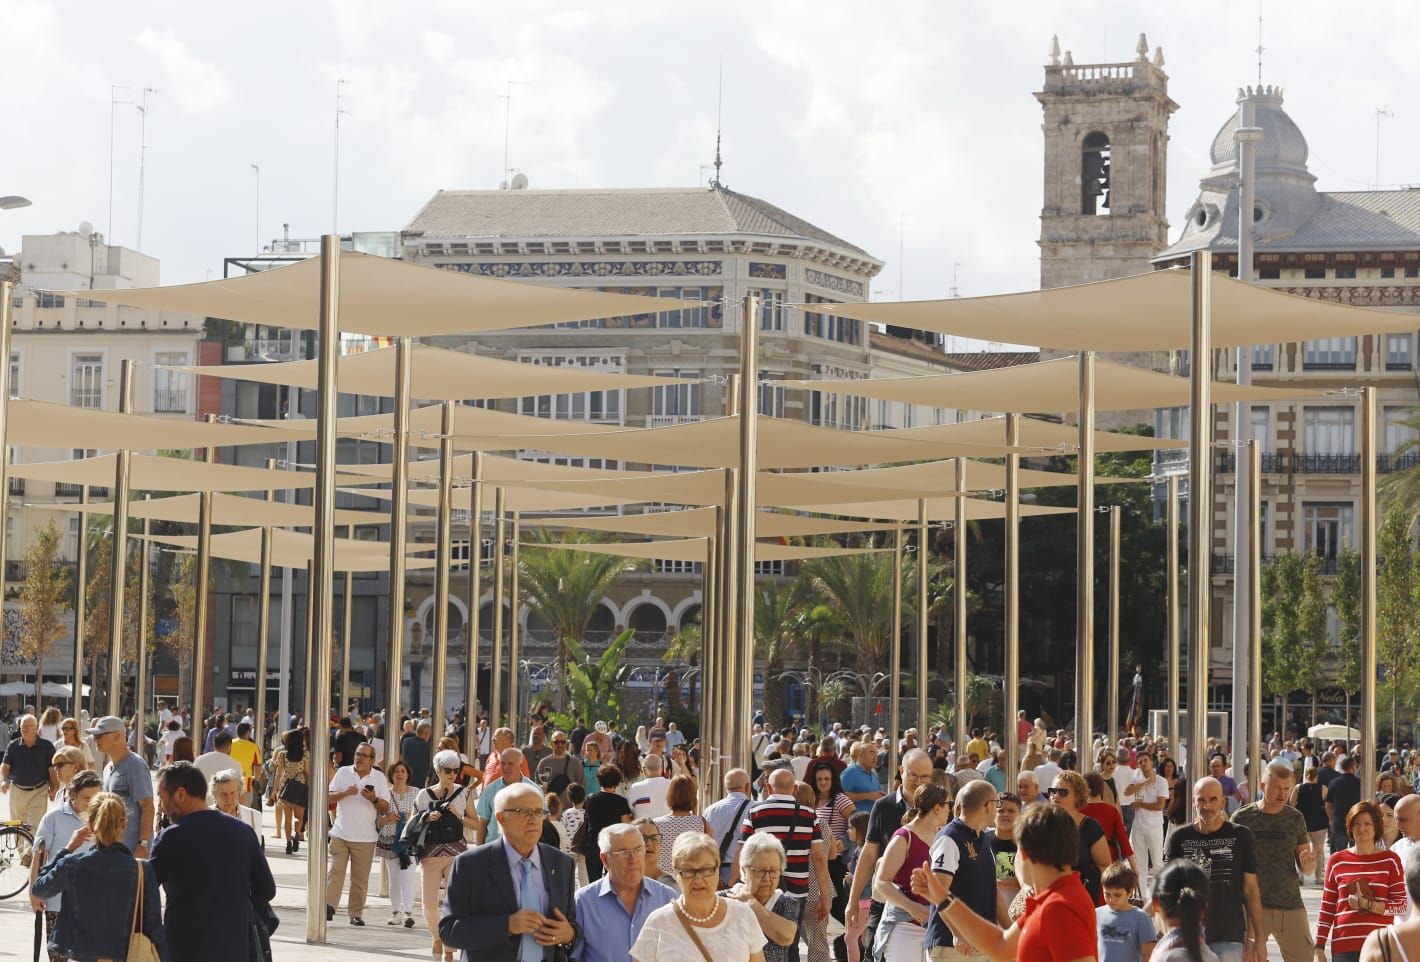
<point x="192" y="83"/>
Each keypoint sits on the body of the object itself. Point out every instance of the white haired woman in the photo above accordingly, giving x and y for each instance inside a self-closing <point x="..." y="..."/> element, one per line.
<point x="700" y="924"/>
<point x="761" y="864"/>
<point x="445" y="839"/>
<point x="226" y="795"/>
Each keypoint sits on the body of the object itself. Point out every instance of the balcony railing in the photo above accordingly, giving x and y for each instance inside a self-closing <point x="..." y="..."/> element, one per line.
<point x="1326" y="463"/>
<point x="668" y="420"/>
<point x="1291" y="462"/>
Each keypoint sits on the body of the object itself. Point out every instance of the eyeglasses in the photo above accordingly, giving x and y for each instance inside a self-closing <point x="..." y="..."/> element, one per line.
<point x="528" y="813"/>
<point x="1058" y="791"/>
<point x="690" y="874"/>
<point x="629" y="853"/>
<point x="559" y="741"/>
<point x="765" y="872"/>
<point x="449" y="771"/>
<point x="652" y="838"/>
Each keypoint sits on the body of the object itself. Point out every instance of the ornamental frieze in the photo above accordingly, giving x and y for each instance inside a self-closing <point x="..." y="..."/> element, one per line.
<point x="833" y="282"/>
<point x="1366" y="295"/>
<point x="543" y="269"/>
<point x="767" y="272"/>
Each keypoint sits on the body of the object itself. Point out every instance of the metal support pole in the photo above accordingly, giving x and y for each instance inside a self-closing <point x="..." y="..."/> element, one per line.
<point x="140" y="675"/>
<point x="346" y="629"/>
<point x="81" y="620"/>
<point x="399" y="535"/>
<point x="730" y="584"/>
<point x="1175" y="619"/>
<point x="7" y="291"/>
<point x="708" y="783"/>
<point x="1200" y="514"/>
<point x="923" y="555"/>
<point x="117" y="581"/>
<point x="263" y="638"/>
<point x="748" y="475"/>
<point x="443" y="561"/>
<point x="1085" y="564"/>
<point x="1369" y="521"/>
<point x="895" y="660"/>
<point x="515" y="641"/>
<point x="475" y="602"/>
<point x="960" y="592"/>
<point x="288" y="611"/>
<point x="500" y="545"/>
<point x="1112" y="681"/>
<point x="1011" y="591"/>
<point x="1254" y="634"/>
<point x="322" y="585"/>
<point x="202" y="605"/>
<point x="314" y="685"/>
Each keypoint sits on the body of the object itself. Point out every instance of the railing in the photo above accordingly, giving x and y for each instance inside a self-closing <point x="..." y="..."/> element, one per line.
<point x="1291" y="462"/>
<point x="1329" y="365"/>
<point x="170" y="401"/>
<point x="668" y="420"/>
<point x="1326" y="463"/>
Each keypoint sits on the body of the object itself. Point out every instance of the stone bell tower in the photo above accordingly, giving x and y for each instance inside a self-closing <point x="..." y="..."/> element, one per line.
<point x="1106" y="145"/>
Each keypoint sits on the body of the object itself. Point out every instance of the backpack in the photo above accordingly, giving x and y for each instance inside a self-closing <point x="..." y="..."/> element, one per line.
<point x="579" y="837"/>
<point x="558" y="783"/>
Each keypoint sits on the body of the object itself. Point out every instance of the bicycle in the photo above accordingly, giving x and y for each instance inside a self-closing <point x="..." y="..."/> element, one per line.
<point x="16" y="841"/>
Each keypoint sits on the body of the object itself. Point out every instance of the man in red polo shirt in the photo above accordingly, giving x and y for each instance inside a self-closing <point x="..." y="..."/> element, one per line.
<point x="1059" y="923"/>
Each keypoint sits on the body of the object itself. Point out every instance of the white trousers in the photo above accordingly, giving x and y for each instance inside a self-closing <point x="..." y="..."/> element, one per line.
<point x="904" y="943"/>
<point x="403" y="883"/>
<point x="1148" y="845"/>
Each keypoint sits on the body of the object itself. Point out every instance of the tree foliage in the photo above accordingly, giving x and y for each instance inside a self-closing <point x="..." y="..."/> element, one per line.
<point x="1293" y="623"/>
<point x="1396" y="585"/>
<point x="594" y="685"/>
<point x="42" y="599"/>
<point x="859" y="590"/>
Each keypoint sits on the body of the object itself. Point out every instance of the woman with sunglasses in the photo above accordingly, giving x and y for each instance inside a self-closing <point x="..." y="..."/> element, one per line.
<point x="68" y="762"/>
<point x="53" y="833"/>
<point x="70" y="737"/>
<point x="445" y="839"/>
<point x="403" y="798"/>
<point x="1070" y="792"/>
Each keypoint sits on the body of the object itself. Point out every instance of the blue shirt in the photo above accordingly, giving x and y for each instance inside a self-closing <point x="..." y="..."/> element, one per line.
<point x="130" y="781"/>
<point x="515" y="868"/>
<point x="484" y="810"/>
<point x="607" y="931"/>
<point x="965" y="855"/>
<point x="1123" y="934"/>
<point x="52" y="835"/>
<point x="996" y="775"/>
<point x="856" y="778"/>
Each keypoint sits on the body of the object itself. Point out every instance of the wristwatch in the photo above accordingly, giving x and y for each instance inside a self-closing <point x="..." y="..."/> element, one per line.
<point x="945" y="904"/>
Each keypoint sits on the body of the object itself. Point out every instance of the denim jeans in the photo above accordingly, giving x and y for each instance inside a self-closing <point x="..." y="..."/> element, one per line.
<point x="1229" y="951"/>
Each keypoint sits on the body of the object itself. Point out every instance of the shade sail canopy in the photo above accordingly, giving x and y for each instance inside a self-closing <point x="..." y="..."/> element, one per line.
<point x="938" y="509"/>
<point x="1041" y="436"/>
<point x="1046" y="387"/>
<point x="382" y="296"/>
<point x="293" y="549"/>
<point x="935" y="477"/>
<point x="700" y="522"/>
<point x="50" y="425"/>
<point x="693" y="549"/>
<point x="227" y="510"/>
<point x="517" y="499"/>
<point x="1143" y="312"/>
<point x="151" y="472"/>
<point x="436" y="374"/>
<point x="497" y="469"/>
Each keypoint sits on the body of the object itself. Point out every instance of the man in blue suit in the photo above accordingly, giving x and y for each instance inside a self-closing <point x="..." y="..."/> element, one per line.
<point x="512" y="899"/>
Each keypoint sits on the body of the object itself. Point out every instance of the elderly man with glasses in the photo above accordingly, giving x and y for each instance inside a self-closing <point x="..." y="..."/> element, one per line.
<point x="613" y="909"/>
<point x="361" y="794"/>
<point x="28" y="777"/>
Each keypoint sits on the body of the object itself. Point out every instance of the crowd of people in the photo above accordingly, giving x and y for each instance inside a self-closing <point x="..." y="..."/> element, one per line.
<point x="590" y="843"/>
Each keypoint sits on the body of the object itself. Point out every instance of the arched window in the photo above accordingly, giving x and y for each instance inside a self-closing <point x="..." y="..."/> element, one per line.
<point x="1094" y="175"/>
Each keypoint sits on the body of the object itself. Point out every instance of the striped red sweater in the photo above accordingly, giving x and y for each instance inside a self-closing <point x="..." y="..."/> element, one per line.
<point x="1379" y="876"/>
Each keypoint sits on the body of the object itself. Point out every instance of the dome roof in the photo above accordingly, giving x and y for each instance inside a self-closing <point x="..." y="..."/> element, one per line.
<point x="1282" y="148"/>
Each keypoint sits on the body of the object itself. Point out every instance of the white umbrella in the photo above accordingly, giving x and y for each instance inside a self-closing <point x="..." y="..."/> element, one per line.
<point x="17" y="688"/>
<point x="55" y="690"/>
<point x="1334" y="731"/>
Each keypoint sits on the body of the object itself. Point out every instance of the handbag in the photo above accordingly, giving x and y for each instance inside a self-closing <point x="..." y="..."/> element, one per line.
<point x="140" y="947"/>
<point x="294" y="792"/>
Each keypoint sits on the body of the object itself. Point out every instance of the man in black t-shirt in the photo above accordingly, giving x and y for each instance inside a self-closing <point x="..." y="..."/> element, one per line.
<point x="1228" y="853"/>
<point x="1343" y="792"/>
<point x="343" y="750"/>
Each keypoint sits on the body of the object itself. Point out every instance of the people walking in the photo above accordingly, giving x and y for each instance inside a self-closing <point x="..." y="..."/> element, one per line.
<point x="290" y="787"/>
<point x="778" y="915"/>
<point x="1284" y="848"/>
<point x="1228" y="854"/>
<point x="399" y="866"/>
<point x="55" y="829"/>
<point x="604" y="807"/>
<point x="28" y="777"/>
<point x="1364" y="889"/>
<point x="961" y="854"/>
<point x="680" y="796"/>
<point x="449" y="815"/>
<point x="725" y="818"/>
<point x="726" y="928"/>
<point x="212" y="869"/>
<point x="360" y="794"/>
<point x="900" y="934"/>
<point x="227" y="797"/>
<point x="612" y="911"/>
<point x="1148" y="795"/>
<point x="126" y="775"/>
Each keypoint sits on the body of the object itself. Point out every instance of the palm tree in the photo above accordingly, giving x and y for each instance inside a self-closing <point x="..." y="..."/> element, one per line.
<point x="566" y="587"/>
<point x="683" y="647"/>
<point x="777" y="625"/>
<point x="1401" y="489"/>
<point x="859" y="588"/>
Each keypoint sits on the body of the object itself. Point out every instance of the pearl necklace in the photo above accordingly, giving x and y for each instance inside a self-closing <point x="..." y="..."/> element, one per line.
<point x="698" y="920"/>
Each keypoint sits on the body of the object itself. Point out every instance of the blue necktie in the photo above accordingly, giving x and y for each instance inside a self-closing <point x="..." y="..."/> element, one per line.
<point x="529" y="897"/>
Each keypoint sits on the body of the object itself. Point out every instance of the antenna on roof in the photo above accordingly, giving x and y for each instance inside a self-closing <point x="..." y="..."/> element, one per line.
<point x="507" y="126"/>
<point x="1381" y="113"/>
<point x="1259" y="43"/>
<point x="954" y="291"/>
<point x="719" y="113"/>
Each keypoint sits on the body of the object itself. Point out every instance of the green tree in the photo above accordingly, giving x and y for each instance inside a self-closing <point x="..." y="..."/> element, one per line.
<point x="1400" y="490"/>
<point x="183" y="589"/>
<point x="683" y="647"/>
<point x="1293" y="622"/>
<point x="1395" y="602"/>
<point x="859" y="590"/>
<point x="778" y="613"/>
<point x="594" y="685"/>
<point x="42" y="598"/>
<point x="1346" y="598"/>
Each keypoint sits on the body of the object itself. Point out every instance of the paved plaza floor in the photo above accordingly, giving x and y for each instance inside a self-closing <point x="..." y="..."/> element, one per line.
<point x="344" y="941"/>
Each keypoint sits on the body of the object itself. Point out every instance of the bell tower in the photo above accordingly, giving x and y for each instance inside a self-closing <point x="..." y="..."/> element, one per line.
<point x="1106" y="145"/>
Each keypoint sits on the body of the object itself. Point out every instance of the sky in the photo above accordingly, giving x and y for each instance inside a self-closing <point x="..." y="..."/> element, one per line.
<point x="907" y="128"/>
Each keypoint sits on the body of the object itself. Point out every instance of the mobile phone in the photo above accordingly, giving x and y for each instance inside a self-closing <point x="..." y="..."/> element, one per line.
<point x="369" y="788"/>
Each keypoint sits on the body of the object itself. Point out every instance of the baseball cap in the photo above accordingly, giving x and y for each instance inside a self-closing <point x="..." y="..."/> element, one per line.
<point x="107" y="725"/>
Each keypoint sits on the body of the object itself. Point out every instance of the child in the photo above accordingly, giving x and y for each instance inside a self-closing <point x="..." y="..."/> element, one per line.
<point x="574" y="818"/>
<point x="857" y="835"/>
<point x="1125" y="933"/>
<point x="1181" y="898"/>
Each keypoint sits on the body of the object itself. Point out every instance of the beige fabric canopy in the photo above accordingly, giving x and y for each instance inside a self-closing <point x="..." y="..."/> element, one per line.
<point x="1143" y="312"/>
<point x="293" y="549"/>
<point x="1046" y="436"/>
<point x="50" y="425"/>
<point x="151" y="472"/>
<point x="227" y="510"/>
<point x="382" y="296"/>
<point x="700" y="522"/>
<point x="693" y="549"/>
<point x="437" y="374"/>
<point x="1047" y="386"/>
<point x="938" y="509"/>
<point x="517" y="499"/>
<point x="935" y="478"/>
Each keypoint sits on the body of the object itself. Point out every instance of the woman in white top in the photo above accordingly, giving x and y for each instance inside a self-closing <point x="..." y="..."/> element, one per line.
<point x="445" y="840"/>
<point x="700" y="924"/>
<point x="643" y="742"/>
<point x="404" y="798"/>
<point x="226" y="797"/>
<point x="53" y="834"/>
<point x="49" y="725"/>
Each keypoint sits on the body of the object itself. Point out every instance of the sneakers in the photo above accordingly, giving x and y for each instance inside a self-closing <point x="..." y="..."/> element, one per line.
<point x="394" y="918"/>
<point x="356" y="920"/>
<point x="408" y="921"/>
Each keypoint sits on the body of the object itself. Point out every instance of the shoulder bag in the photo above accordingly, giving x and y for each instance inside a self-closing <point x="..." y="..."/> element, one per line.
<point x="140" y="947"/>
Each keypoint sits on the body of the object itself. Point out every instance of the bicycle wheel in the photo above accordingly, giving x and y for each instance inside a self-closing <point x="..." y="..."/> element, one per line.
<point x="15" y="842"/>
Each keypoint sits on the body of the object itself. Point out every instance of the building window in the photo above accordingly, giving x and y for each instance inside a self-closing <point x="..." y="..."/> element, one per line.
<point x="1398" y="432"/>
<point x="1328" y="526"/>
<point x="1387" y="273"/>
<point x="1094" y="175"/>
<point x="1261" y="427"/>
<point x="680" y="399"/>
<point x="86" y="381"/>
<point x="1264" y="357"/>
<point x="1330" y="354"/>
<point x="1330" y="430"/>
<point x="169" y="386"/>
<point x="1346" y="273"/>
<point x="830" y="327"/>
<point x="1171" y="423"/>
<point x="1399" y="354"/>
<point x="771" y="310"/>
<point x="771" y="395"/>
<point x="1315" y="273"/>
<point x="605" y="406"/>
<point x="1412" y="272"/>
<point x="14" y="374"/>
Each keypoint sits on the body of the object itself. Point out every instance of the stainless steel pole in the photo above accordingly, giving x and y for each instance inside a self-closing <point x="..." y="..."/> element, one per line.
<point x="923" y="556"/>
<point x="7" y="292"/>
<point x="1369" y="521"/>
<point x="515" y="641"/>
<point x="322" y="587"/>
<point x="1200" y="513"/>
<point x="288" y="607"/>
<point x="747" y="476"/>
<point x="500" y="545"/>
<point x="1175" y="617"/>
<point x="475" y="604"/>
<point x="263" y="639"/>
<point x="708" y="783"/>
<point x="1254" y="634"/>
<point x="443" y="561"/>
<point x="1011" y="591"/>
<point x="1085" y="564"/>
<point x="81" y="620"/>
<point x="1112" y="682"/>
<point x="202" y="605"/>
<point x="140" y="677"/>
<point x="895" y="660"/>
<point x="960" y="594"/>
<point x="347" y="625"/>
<point x="730" y="640"/>
<point x="399" y="536"/>
<point x="117" y="581"/>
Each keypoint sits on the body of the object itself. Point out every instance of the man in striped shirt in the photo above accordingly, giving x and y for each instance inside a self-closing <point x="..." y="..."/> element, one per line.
<point x="796" y="827"/>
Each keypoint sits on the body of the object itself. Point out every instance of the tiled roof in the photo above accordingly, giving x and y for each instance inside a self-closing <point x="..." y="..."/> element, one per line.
<point x="641" y="212"/>
<point x="990" y="360"/>
<point x="1345" y="220"/>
